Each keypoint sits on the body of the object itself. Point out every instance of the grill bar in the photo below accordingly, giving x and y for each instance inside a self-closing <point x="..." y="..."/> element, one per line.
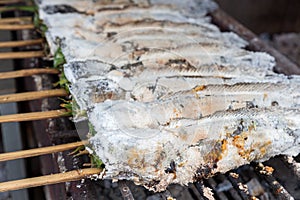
<point x="34" y="116"/>
<point x="227" y="23"/>
<point x="39" y="151"/>
<point x="20" y="43"/>
<point x="27" y="72"/>
<point x="277" y="188"/>
<point x="236" y="181"/>
<point x="48" y="179"/>
<point x="26" y="96"/>
<point x="294" y="164"/>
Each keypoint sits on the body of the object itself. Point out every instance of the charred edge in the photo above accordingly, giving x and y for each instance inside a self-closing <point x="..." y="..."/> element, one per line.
<point x="111" y="34"/>
<point x="204" y="171"/>
<point x="138" y="52"/>
<point x="274" y="103"/>
<point x="152" y="184"/>
<point x="63" y="9"/>
<point x="239" y="129"/>
<point x="216" y="153"/>
<point x="132" y="66"/>
<point x="180" y="64"/>
<point x="100" y="93"/>
<point x="250" y="104"/>
<point x="110" y="8"/>
<point x="172" y="168"/>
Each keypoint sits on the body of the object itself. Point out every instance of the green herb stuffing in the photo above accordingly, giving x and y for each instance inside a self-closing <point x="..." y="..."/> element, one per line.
<point x="58" y="61"/>
<point x="96" y="162"/>
<point x="92" y="130"/>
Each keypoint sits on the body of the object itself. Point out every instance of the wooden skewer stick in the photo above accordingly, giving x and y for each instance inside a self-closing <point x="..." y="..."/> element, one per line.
<point x="40" y="151"/>
<point x="10" y="1"/>
<point x="15" y="20"/>
<point x="14" y="27"/>
<point x="27" y="72"/>
<point x="26" y="96"/>
<point x="6" y="9"/>
<point x="49" y="179"/>
<point x="24" y="54"/>
<point x="34" y="116"/>
<point x="20" y="43"/>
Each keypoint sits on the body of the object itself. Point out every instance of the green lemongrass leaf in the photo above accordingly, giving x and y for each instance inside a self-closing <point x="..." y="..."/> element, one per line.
<point x="43" y="28"/>
<point x="77" y="150"/>
<point x="96" y="162"/>
<point x="59" y="59"/>
<point x="63" y="82"/>
<point x="21" y="8"/>
<point x="92" y="130"/>
<point x="67" y="106"/>
<point x="36" y="20"/>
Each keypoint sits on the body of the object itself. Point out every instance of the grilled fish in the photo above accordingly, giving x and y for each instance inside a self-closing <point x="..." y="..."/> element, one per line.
<point x="169" y="97"/>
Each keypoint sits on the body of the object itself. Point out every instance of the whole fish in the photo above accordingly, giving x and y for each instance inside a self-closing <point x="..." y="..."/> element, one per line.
<point x="198" y="148"/>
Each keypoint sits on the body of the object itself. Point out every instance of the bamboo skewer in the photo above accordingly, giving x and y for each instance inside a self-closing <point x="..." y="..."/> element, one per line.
<point x="14" y="27"/>
<point x="24" y="54"/>
<point x="6" y="9"/>
<point x="40" y="151"/>
<point x="26" y="96"/>
<point x="34" y="116"/>
<point x="15" y="20"/>
<point x="27" y="72"/>
<point x="42" y="180"/>
<point x="10" y="1"/>
<point x="20" y="43"/>
<point x="49" y="179"/>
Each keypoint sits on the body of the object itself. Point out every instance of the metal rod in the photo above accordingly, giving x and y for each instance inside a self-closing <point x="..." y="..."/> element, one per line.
<point x="293" y="164"/>
<point x="227" y="23"/>
<point x="27" y="72"/>
<point x="20" y="43"/>
<point x="48" y="179"/>
<point x="24" y="54"/>
<point x="34" y="116"/>
<point x="26" y="96"/>
<point x="125" y="190"/>
<point x="14" y="27"/>
<point x="276" y="187"/>
<point x="15" y="20"/>
<point x="40" y="151"/>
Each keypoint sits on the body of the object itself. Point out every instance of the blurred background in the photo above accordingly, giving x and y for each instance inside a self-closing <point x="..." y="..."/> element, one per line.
<point x="275" y="21"/>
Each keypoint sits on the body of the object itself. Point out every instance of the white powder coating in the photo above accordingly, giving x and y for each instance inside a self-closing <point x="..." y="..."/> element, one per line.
<point x="171" y="98"/>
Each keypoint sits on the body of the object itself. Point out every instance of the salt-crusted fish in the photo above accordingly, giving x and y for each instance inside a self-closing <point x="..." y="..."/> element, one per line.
<point x="210" y="97"/>
<point x="150" y="69"/>
<point x="168" y="96"/>
<point x="196" y="148"/>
